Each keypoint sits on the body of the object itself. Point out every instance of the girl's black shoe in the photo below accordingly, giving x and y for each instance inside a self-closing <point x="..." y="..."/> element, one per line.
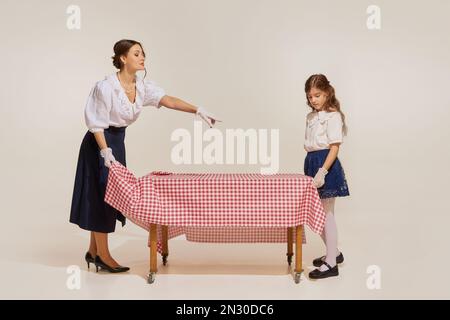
<point x="331" y="272"/>
<point x="100" y="264"/>
<point x="319" y="261"/>
<point x="89" y="259"/>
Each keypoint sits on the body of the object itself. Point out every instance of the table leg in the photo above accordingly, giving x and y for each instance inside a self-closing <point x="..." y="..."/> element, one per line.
<point x="298" y="253"/>
<point x="165" y="244"/>
<point x="153" y="253"/>
<point x="290" y="251"/>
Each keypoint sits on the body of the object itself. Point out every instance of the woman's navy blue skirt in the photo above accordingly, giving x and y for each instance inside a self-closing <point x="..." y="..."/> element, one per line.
<point x="89" y="210"/>
<point x="335" y="182"/>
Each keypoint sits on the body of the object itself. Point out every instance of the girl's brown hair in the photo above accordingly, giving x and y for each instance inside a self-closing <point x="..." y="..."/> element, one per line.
<point x="320" y="82"/>
<point x="121" y="48"/>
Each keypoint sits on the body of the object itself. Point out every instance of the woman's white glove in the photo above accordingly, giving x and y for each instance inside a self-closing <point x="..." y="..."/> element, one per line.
<point x="106" y="154"/>
<point x="209" y="118"/>
<point x="319" y="178"/>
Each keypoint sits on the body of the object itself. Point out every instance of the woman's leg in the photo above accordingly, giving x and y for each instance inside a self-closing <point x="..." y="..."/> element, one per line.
<point x="330" y="234"/>
<point x="101" y="240"/>
<point x="93" y="245"/>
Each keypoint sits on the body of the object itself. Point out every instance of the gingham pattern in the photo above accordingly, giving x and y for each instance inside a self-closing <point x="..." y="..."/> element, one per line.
<point x="238" y="234"/>
<point x="217" y="207"/>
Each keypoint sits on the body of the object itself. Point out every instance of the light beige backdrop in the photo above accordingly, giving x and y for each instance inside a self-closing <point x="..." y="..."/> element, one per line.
<point x="247" y="62"/>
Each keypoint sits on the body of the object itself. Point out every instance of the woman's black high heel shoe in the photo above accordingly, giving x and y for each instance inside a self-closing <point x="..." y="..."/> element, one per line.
<point x="89" y="259"/>
<point x="100" y="264"/>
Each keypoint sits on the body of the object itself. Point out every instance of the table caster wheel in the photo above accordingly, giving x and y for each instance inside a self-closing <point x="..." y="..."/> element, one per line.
<point x="151" y="277"/>
<point x="164" y="258"/>
<point x="297" y="277"/>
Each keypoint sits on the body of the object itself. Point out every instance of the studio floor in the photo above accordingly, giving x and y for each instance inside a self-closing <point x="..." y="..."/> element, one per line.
<point x="40" y="267"/>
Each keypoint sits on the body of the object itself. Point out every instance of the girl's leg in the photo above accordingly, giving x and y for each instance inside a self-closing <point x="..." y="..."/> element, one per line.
<point x="93" y="245"/>
<point x="101" y="240"/>
<point x="324" y="239"/>
<point x="330" y="234"/>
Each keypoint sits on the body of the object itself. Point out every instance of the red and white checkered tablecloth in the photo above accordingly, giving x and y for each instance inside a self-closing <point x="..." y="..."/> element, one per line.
<point x="217" y="207"/>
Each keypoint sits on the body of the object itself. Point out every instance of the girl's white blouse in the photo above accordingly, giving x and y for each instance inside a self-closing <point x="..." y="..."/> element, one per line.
<point x="108" y="104"/>
<point x="322" y="129"/>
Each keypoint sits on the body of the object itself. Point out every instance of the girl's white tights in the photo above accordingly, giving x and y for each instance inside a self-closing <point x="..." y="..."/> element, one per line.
<point x="329" y="235"/>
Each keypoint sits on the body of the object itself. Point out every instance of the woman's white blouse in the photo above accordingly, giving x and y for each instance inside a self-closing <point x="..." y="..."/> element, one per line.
<point x="108" y="104"/>
<point x="322" y="129"/>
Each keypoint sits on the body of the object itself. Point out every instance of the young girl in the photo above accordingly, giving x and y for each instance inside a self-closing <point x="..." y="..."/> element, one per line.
<point x="325" y="128"/>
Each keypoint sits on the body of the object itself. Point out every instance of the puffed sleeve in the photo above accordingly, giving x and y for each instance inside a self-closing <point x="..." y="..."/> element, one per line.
<point x="334" y="128"/>
<point x="152" y="94"/>
<point x="98" y="107"/>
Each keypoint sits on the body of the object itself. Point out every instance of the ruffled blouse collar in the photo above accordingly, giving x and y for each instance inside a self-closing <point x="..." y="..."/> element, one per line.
<point x="120" y="92"/>
<point x="319" y="117"/>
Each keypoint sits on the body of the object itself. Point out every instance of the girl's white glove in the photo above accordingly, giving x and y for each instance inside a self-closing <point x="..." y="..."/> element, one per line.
<point x="209" y="118"/>
<point x="319" y="178"/>
<point x="106" y="154"/>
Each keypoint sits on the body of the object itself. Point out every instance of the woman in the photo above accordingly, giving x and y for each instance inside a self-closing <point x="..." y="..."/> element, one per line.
<point x="113" y="104"/>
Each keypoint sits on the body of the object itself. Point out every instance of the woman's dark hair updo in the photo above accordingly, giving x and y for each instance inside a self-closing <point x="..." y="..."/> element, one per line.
<point x="121" y="48"/>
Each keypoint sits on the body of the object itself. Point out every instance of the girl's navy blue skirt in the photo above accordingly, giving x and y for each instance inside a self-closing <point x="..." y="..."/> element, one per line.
<point x="335" y="182"/>
<point x="89" y="210"/>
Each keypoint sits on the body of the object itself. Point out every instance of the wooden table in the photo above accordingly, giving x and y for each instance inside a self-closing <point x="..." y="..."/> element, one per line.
<point x="215" y="207"/>
<point x="165" y="250"/>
